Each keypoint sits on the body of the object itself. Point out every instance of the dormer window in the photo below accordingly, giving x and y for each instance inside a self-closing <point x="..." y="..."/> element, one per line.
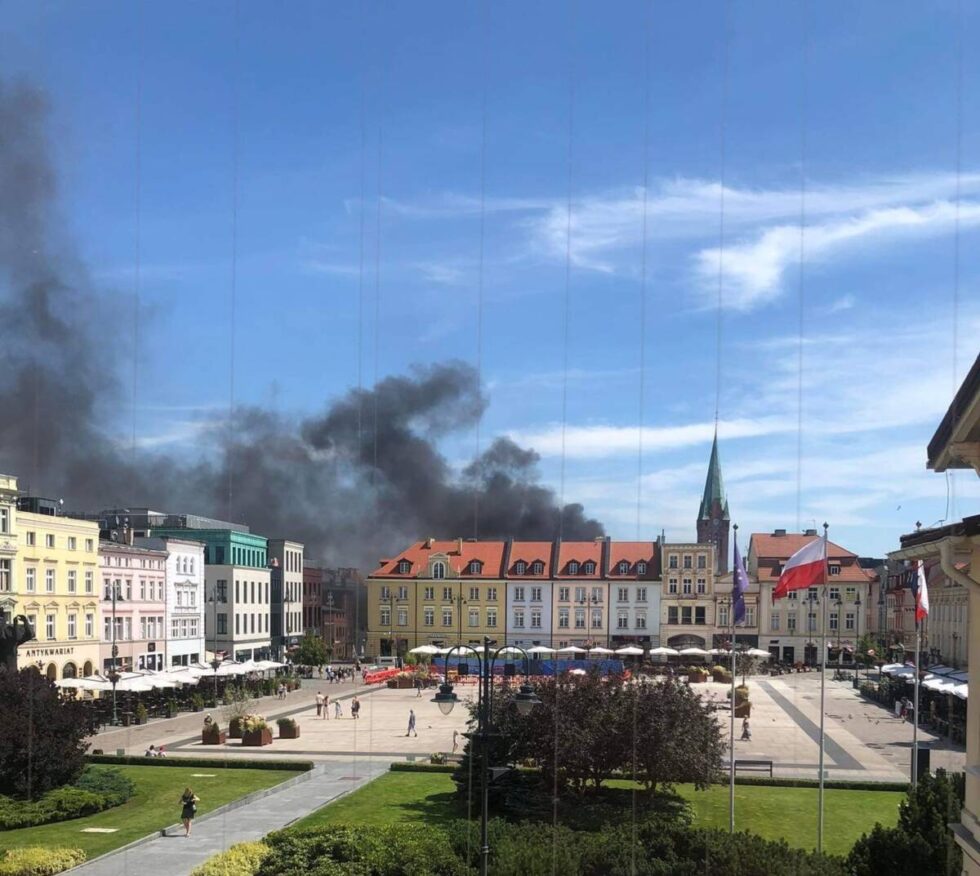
<point x="537" y="568"/>
<point x="438" y="570"/>
<point x="624" y="568"/>
<point x="404" y="567"/>
<point x="520" y="567"/>
<point x="573" y="568"/>
<point x="834" y="569"/>
<point x="589" y="568"/>
<point x="475" y="567"/>
<point x="641" y="568"/>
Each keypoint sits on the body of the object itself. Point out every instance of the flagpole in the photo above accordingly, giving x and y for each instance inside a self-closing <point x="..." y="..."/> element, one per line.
<point x="731" y="714"/>
<point x="915" y="705"/>
<point x="823" y="688"/>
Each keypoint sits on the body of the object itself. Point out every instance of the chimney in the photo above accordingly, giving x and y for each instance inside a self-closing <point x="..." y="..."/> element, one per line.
<point x="779" y="532"/>
<point x="810" y="532"/>
<point x="459" y="546"/>
<point x="429" y="542"/>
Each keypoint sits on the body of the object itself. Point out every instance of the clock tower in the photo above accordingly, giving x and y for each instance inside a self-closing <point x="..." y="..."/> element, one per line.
<point x="714" y="521"/>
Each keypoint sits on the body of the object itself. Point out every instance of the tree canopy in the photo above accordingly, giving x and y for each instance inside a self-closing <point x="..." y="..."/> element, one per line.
<point x="311" y="651"/>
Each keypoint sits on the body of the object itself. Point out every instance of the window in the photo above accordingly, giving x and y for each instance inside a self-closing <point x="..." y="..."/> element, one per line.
<point x="89" y="626"/>
<point x="535" y="594"/>
<point x="596" y="618"/>
<point x="143" y="589"/>
<point x="793" y="594"/>
<point x="791" y="623"/>
<point x="622" y="621"/>
<point x="699" y="614"/>
<point x="49" y="540"/>
<point x="4" y="576"/>
<point x="851" y="593"/>
<point x="774" y="623"/>
<point x="702" y="585"/>
<point x="723" y="615"/>
<point x="385" y="616"/>
<point x="439" y="570"/>
<point x="834" y="568"/>
<point x="72" y="626"/>
<point x="672" y="585"/>
<point x="222" y="590"/>
<point x="519" y="618"/>
<point x="30" y="538"/>
<point x="834" y="594"/>
<point x="491" y="594"/>
<point x="429" y="616"/>
<point x="72" y="581"/>
<point x="849" y="620"/>
<point x="404" y="567"/>
<point x="537" y="567"/>
<point x="403" y="592"/>
<point x="491" y="617"/>
<point x="563" y="594"/>
<point x="49" y="626"/>
<point x="687" y="587"/>
<point x="430" y="593"/>
<point x="624" y="567"/>
<point x="623" y="594"/>
<point x="519" y="594"/>
<point x="475" y="567"/>
<point x="72" y="543"/>
<point x="641" y="568"/>
<point x="686" y="614"/>
<point x="447" y="594"/>
<point x="89" y="582"/>
<point x="49" y="580"/>
<point x="811" y="593"/>
<point x="589" y="568"/>
<point x="223" y="623"/>
<point x="641" y="594"/>
<point x="750" y="615"/>
<point x="641" y="620"/>
<point x="237" y="624"/>
<point x="447" y="617"/>
<point x="580" y="618"/>
<point x="535" y="618"/>
<point x="702" y="561"/>
<point x="474" y="594"/>
<point x="520" y="567"/>
<point x="687" y="561"/>
<point x="402" y="617"/>
<point x="4" y="519"/>
<point x="573" y="568"/>
<point x="672" y="563"/>
<point x="597" y="594"/>
<point x="385" y="592"/>
<point x="833" y="620"/>
<point x="474" y="617"/>
<point x="563" y="618"/>
<point x="580" y="594"/>
<point x="672" y="614"/>
<point x="811" y="621"/>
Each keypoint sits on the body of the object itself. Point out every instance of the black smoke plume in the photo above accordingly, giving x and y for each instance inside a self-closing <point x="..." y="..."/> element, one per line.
<point x="354" y="484"/>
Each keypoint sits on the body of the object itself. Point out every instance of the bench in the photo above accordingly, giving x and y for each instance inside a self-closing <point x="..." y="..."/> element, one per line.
<point x="755" y="766"/>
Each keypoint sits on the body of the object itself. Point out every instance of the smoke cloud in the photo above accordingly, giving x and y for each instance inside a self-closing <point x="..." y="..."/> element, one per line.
<point x="355" y="483"/>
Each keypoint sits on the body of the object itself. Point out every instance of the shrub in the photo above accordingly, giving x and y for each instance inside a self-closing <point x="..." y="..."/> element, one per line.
<point x="39" y="861"/>
<point x="288" y="723"/>
<point x="437" y="758"/>
<point x="254" y="723"/>
<point x="95" y="791"/>
<point x="242" y="859"/>
<point x="197" y="701"/>
<point x="242" y="763"/>
<point x="141" y="713"/>
<point x="111" y="784"/>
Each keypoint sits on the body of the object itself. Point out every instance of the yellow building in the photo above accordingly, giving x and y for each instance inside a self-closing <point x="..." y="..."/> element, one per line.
<point x="437" y="591"/>
<point x="8" y="544"/>
<point x="54" y="585"/>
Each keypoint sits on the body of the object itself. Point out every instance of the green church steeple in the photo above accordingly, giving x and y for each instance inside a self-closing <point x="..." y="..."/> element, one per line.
<point x="714" y="488"/>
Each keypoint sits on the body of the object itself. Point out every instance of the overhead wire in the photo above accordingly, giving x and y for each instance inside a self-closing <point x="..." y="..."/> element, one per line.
<point x="801" y="278"/>
<point x="233" y="292"/>
<point x="138" y="222"/>
<point x="484" y="75"/>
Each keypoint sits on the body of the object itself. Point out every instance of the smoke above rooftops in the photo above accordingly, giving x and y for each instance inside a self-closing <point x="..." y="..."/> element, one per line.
<point x="354" y="483"/>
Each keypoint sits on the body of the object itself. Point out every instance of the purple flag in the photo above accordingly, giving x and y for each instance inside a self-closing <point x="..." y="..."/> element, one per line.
<point x="740" y="583"/>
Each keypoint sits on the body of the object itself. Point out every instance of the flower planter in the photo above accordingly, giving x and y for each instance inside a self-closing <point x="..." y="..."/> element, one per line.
<point x="213" y="738"/>
<point x="697" y="678"/>
<point x="257" y="737"/>
<point x="289" y="732"/>
<point x="235" y="728"/>
<point x="743" y="709"/>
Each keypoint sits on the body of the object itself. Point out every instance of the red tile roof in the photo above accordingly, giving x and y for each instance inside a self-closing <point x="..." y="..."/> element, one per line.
<point x="772" y="551"/>
<point x="582" y="552"/>
<point x="489" y="553"/>
<point x="632" y="552"/>
<point x="531" y="552"/>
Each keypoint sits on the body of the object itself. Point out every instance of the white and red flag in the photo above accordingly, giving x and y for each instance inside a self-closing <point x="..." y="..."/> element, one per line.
<point x="806" y="568"/>
<point x="921" y="593"/>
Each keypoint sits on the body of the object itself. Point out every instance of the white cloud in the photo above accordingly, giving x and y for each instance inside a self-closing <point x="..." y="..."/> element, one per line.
<point x="845" y="302"/>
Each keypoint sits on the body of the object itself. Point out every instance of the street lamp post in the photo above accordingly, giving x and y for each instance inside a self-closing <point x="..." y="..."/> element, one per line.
<point x="328" y="604"/>
<point x="114" y="670"/>
<point x="839" y="605"/>
<point x="857" y="628"/>
<point x="446" y="699"/>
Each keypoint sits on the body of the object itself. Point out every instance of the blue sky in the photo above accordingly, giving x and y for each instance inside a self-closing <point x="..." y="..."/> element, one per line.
<point x="324" y="91"/>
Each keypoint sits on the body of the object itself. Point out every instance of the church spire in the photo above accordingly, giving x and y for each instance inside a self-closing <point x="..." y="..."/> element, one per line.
<point x="714" y="488"/>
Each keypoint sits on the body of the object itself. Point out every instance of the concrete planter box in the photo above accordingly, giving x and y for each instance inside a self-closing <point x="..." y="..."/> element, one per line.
<point x="213" y="737"/>
<point x="288" y="732"/>
<point x="235" y="728"/>
<point x="257" y="737"/>
<point x="743" y="709"/>
<point x="697" y="677"/>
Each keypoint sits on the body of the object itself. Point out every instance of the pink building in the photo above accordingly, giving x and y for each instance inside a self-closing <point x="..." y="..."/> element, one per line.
<point x="133" y="621"/>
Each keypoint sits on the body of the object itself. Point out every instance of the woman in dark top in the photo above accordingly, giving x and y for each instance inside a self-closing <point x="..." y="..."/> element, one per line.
<point x="188" y="802"/>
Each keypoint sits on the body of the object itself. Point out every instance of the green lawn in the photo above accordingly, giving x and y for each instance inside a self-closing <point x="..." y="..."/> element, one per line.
<point x="155" y="805"/>
<point x="774" y="813"/>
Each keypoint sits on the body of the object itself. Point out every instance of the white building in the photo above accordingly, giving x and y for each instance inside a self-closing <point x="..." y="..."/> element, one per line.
<point x="529" y="594"/>
<point x="634" y="594"/>
<point x="184" y="613"/>
<point x="286" y="562"/>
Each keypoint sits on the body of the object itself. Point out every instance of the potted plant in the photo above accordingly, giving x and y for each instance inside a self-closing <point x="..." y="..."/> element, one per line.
<point x="197" y="702"/>
<point x="212" y="734"/>
<point x="255" y="731"/>
<point x="288" y="728"/>
<point x="742" y="705"/>
<point x="140" y="714"/>
<point x="235" y="728"/>
<point x="172" y="708"/>
<point x="696" y="675"/>
<point x="236" y="708"/>
<point x="437" y="758"/>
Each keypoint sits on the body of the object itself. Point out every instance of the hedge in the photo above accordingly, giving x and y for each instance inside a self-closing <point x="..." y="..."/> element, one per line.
<point x="234" y="763"/>
<point x="39" y="861"/>
<point x="95" y="791"/>
<point x="241" y="859"/>
<point x="403" y="766"/>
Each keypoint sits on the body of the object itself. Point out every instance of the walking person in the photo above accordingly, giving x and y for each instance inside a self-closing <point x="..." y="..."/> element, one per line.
<point x="746" y="730"/>
<point x="411" y="723"/>
<point x="338" y="711"/>
<point x="188" y="802"/>
<point x="418" y="688"/>
<point x="319" y="703"/>
<point x="326" y="707"/>
<point x="455" y="741"/>
<point x="355" y="708"/>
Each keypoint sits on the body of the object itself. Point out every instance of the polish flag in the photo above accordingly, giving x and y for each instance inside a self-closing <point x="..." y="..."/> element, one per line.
<point x="806" y="568"/>
<point x="921" y="594"/>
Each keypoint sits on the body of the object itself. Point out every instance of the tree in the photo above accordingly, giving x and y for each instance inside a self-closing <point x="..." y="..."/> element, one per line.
<point x="42" y="745"/>
<point x="311" y="651"/>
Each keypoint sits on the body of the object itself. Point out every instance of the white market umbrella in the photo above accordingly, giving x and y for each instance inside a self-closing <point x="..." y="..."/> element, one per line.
<point x="630" y="651"/>
<point x="511" y="649"/>
<point x="758" y="652"/>
<point x="601" y="650"/>
<point x="720" y="652"/>
<point x="578" y="672"/>
<point x="693" y="652"/>
<point x="572" y="649"/>
<point x="81" y="684"/>
<point x="663" y="652"/>
<point x="541" y="649"/>
<point x="427" y="650"/>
